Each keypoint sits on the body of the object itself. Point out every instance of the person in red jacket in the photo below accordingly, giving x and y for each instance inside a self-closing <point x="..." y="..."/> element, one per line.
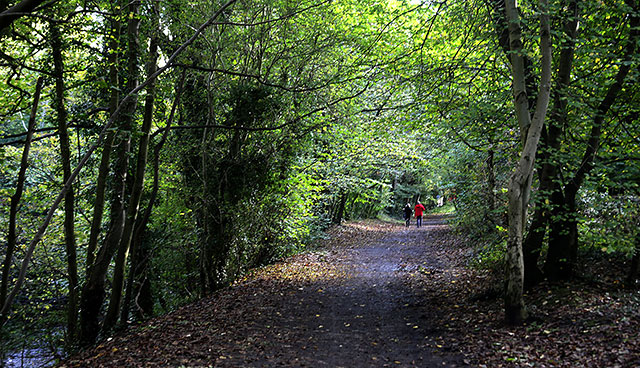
<point x="419" y="208"/>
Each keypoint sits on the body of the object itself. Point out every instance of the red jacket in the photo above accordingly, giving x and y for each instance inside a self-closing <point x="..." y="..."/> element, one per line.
<point x="419" y="208"/>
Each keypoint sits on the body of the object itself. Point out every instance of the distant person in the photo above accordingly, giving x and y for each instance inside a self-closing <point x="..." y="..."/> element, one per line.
<point x="407" y="214"/>
<point x="419" y="209"/>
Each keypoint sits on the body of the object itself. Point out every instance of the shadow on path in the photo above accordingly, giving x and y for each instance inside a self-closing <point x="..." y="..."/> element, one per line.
<point x="346" y="305"/>
<point x="372" y="318"/>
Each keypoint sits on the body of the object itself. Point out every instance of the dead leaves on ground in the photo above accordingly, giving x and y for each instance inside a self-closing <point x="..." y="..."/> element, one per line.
<point x="277" y="314"/>
<point x="581" y="324"/>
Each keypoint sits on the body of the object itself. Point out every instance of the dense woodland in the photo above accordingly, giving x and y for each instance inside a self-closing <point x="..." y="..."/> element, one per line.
<point x="154" y="151"/>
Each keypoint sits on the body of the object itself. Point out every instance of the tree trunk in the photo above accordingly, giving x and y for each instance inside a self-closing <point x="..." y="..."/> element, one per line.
<point x="549" y="171"/>
<point x="501" y="24"/>
<point x="93" y="291"/>
<point x="15" y="201"/>
<point x="142" y="258"/>
<point x="339" y="214"/>
<point x="558" y="263"/>
<point x="520" y="182"/>
<point x="563" y="245"/>
<point x="531" y="248"/>
<point x="69" y="201"/>
<point x="141" y="164"/>
<point x="103" y="171"/>
<point x="131" y="210"/>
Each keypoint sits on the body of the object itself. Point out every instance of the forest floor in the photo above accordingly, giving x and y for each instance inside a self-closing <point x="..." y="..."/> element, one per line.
<point x="377" y="294"/>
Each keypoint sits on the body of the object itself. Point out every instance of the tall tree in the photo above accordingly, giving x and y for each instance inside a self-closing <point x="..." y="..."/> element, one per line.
<point x="15" y="202"/>
<point x="65" y="158"/>
<point x="133" y="186"/>
<point x="563" y="245"/>
<point x="551" y="136"/>
<point x="93" y="290"/>
<point x="530" y="128"/>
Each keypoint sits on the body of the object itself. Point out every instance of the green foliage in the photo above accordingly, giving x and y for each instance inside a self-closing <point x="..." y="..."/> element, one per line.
<point x="610" y="223"/>
<point x="294" y="116"/>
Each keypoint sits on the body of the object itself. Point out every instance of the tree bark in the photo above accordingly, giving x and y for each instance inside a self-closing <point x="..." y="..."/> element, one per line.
<point x="69" y="199"/>
<point x="131" y="209"/>
<point x="520" y="182"/>
<point x="15" y="201"/>
<point x="141" y="164"/>
<point x="563" y="245"/>
<point x="548" y="173"/>
<point x="501" y="24"/>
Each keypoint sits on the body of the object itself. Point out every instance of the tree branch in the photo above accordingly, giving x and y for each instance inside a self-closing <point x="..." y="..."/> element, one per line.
<point x="20" y="9"/>
<point x="56" y="203"/>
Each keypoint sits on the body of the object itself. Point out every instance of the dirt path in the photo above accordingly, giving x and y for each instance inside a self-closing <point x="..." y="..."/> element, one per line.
<point x="349" y="304"/>
<point x="371" y="317"/>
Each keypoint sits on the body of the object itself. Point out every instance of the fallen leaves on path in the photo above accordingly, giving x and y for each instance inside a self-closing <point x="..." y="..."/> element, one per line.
<point x="378" y="294"/>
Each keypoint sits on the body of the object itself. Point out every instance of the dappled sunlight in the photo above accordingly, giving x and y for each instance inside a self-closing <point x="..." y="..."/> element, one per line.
<point x="369" y="226"/>
<point x="303" y="268"/>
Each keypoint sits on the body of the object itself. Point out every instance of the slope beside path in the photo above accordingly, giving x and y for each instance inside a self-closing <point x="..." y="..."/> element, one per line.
<point x="347" y="304"/>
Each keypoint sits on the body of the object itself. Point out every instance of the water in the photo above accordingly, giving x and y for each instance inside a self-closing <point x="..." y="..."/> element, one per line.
<point x="32" y="358"/>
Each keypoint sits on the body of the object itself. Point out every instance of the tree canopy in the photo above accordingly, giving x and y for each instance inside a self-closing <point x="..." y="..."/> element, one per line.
<point x="153" y="152"/>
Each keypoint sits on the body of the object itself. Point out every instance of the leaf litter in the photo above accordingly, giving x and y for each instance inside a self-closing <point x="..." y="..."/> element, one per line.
<point x="376" y="294"/>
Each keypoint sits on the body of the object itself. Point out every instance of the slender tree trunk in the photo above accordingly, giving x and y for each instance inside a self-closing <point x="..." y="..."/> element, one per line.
<point x="103" y="171"/>
<point x="563" y="245"/>
<point x="531" y="248"/>
<point x="549" y="171"/>
<point x="142" y="257"/>
<point x="92" y="294"/>
<point x="131" y="210"/>
<point x="144" y="300"/>
<point x="339" y="214"/>
<point x="520" y="183"/>
<point x="15" y="200"/>
<point x="501" y="23"/>
<point x="558" y="262"/>
<point x="141" y="165"/>
<point x="85" y="158"/>
<point x="69" y="201"/>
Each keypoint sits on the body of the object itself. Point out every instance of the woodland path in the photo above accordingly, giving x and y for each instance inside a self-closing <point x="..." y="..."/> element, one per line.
<point x="350" y="303"/>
